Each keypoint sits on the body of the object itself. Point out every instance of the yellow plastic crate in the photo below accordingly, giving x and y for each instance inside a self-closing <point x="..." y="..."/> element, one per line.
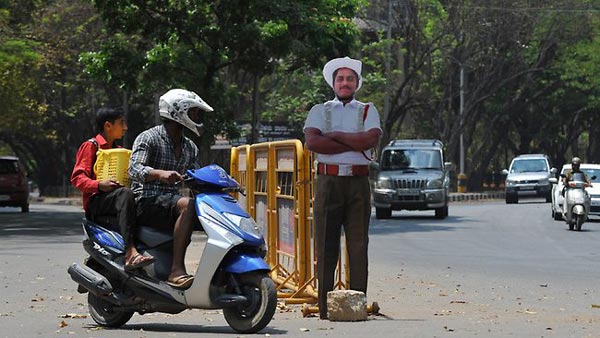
<point x="113" y="164"/>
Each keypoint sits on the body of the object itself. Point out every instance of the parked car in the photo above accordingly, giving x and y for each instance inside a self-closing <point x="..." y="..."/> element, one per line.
<point x="14" y="189"/>
<point x="557" y="186"/>
<point x="411" y="175"/>
<point x="528" y="175"/>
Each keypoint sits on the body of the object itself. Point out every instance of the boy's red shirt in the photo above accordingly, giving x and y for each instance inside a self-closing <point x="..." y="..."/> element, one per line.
<point x="83" y="177"/>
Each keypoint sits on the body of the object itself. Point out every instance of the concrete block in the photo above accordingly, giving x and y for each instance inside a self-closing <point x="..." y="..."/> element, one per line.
<point x="346" y="306"/>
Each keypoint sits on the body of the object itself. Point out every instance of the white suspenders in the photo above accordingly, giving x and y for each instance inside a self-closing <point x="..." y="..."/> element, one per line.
<point x="360" y="111"/>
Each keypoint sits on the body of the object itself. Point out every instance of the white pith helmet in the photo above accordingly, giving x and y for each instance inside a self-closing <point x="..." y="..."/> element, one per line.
<point x="345" y="62"/>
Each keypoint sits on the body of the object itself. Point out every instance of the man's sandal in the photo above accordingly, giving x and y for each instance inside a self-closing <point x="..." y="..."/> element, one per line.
<point x="138" y="261"/>
<point x="182" y="282"/>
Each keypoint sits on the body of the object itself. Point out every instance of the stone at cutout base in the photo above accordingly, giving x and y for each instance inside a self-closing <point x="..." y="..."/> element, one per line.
<point x="346" y="306"/>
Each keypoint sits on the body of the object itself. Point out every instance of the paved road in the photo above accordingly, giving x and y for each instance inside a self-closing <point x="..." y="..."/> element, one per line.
<point x="489" y="270"/>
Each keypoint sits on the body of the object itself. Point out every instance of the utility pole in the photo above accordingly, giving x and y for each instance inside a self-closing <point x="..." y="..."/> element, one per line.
<point x="461" y="111"/>
<point x="462" y="177"/>
<point x="388" y="68"/>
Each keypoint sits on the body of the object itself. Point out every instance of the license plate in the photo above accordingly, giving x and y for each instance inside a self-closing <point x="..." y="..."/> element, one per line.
<point x="526" y="188"/>
<point x="408" y="192"/>
<point x="4" y="197"/>
<point x="596" y="202"/>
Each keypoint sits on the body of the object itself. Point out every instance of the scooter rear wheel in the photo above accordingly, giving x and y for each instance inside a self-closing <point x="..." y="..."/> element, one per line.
<point x="103" y="313"/>
<point x="258" y="311"/>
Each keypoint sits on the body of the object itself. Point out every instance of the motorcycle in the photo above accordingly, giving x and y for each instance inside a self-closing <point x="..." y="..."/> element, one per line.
<point x="577" y="202"/>
<point x="232" y="274"/>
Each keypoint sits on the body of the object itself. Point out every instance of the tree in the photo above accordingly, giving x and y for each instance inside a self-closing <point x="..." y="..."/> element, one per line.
<point x="199" y="45"/>
<point x="511" y="59"/>
<point x="49" y="111"/>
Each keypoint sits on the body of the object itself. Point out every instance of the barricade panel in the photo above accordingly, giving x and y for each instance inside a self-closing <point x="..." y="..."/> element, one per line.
<point x="284" y="155"/>
<point x="259" y="203"/>
<point x="239" y="171"/>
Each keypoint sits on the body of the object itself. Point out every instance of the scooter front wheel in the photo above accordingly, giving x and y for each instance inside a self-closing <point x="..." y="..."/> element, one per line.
<point x="103" y="314"/>
<point x="258" y="311"/>
<point x="579" y="222"/>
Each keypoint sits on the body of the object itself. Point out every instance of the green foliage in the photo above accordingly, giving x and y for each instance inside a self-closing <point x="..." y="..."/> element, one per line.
<point x="116" y="63"/>
<point x="18" y="64"/>
<point x="531" y="77"/>
<point x="209" y="47"/>
<point x="291" y="94"/>
<point x="18" y="53"/>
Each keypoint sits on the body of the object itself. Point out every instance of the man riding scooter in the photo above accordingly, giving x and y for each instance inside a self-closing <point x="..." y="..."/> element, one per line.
<point x="575" y="169"/>
<point x="159" y="157"/>
<point x="577" y="201"/>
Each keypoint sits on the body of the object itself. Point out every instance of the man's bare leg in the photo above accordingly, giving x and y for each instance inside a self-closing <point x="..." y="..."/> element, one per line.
<point x="182" y="232"/>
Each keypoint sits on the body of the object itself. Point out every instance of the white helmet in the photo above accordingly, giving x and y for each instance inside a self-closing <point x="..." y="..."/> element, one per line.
<point x="174" y="106"/>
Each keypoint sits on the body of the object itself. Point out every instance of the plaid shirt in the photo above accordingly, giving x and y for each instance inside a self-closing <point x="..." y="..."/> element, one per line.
<point x="153" y="149"/>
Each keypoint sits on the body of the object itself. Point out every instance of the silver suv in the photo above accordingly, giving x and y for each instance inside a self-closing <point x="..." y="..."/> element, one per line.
<point x="528" y="175"/>
<point x="411" y="175"/>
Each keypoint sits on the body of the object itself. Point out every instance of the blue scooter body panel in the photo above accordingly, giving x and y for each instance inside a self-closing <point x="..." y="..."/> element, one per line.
<point x="214" y="175"/>
<point x="224" y="203"/>
<point x="106" y="238"/>
<point x="245" y="263"/>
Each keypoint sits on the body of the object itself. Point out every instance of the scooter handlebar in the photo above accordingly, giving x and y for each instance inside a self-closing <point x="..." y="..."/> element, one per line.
<point x="578" y="184"/>
<point x="192" y="183"/>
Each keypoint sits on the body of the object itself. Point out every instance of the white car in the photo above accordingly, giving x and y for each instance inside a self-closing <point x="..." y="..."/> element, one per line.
<point x="528" y="175"/>
<point x="593" y="171"/>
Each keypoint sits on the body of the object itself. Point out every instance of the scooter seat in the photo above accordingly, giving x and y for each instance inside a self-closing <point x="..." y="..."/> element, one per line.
<point x="152" y="237"/>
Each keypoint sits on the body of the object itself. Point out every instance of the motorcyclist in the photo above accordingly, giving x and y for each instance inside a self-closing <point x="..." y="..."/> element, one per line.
<point x="159" y="157"/>
<point x="575" y="168"/>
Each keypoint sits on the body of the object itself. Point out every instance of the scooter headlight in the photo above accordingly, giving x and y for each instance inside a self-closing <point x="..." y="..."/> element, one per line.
<point x="246" y="224"/>
<point x="217" y="219"/>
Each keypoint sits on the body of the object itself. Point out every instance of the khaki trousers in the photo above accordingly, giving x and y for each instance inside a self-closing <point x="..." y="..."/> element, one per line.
<point x="341" y="201"/>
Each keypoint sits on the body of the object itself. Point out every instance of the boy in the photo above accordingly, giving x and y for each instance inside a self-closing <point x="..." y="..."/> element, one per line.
<point x="108" y="197"/>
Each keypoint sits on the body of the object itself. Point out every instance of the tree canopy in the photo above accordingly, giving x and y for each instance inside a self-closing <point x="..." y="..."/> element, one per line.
<point x="529" y="73"/>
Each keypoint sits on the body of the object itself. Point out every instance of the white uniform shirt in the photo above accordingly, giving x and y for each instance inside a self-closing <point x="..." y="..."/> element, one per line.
<point x="343" y="118"/>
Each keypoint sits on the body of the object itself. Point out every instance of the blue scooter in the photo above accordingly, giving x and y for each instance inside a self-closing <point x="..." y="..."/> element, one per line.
<point x="232" y="274"/>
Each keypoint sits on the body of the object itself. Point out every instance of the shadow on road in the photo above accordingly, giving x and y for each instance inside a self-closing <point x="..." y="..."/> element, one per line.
<point x="186" y="328"/>
<point x="425" y="224"/>
<point x="47" y="225"/>
<point x="583" y="229"/>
